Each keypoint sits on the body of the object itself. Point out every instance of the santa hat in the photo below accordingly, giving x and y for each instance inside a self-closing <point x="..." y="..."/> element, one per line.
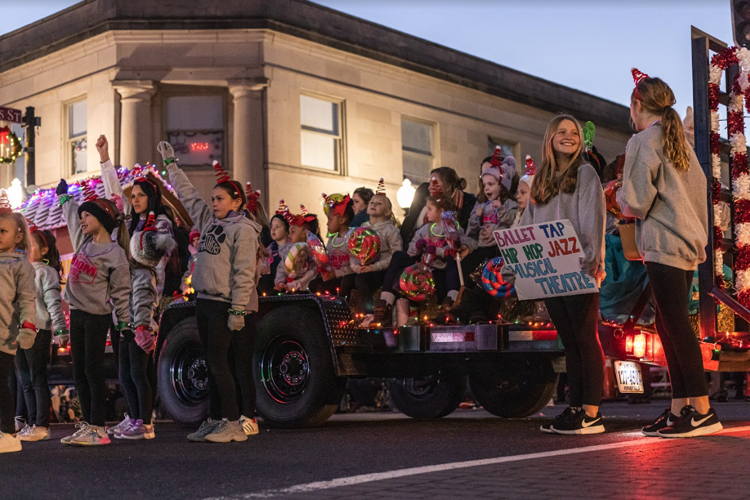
<point x="530" y="172"/>
<point x="336" y="202"/>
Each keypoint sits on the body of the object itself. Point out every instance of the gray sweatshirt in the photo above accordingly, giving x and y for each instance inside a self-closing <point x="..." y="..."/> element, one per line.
<point x="19" y="297"/>
<point x="670" y="206"/>
<point x="143" y="297"/>
<point x="301" y="282"/>
<point x="434" y="234"/>
<point x="98" y="272"/>
<point x="49" y="313"/>
<point x="491" y="219"/>
<point x="390" y="243"/>
<point x="584" y="208"/>
<point x="227" y="258"/>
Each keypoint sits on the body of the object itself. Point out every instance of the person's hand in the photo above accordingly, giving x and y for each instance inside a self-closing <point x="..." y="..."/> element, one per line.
<point x="497" y="204"/>
<point x="166" y="150"/>
<point x="365" y="269"/>
<point x="279" y="287"/>
<point x="103" y="147"/>
<point x="117" y="200"/>
<point x="480" y="211"/>
<point x="25" y="338"/>
<point x="145" y="339"/>
<point x="62" y="188"/>
<point x="62" y="337"/>
<point x="236" y="322"/>
<point x="464" y="251"/>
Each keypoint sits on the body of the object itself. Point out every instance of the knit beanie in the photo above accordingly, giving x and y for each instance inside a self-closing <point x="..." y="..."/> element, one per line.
<point x="503" y="174"/>
<point x="103" y="211"/>
<point x="194" y="234"/>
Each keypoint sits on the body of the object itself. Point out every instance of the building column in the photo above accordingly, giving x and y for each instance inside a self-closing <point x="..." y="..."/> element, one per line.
<point x="248" y="132"/>
<point x="136" y="136"/>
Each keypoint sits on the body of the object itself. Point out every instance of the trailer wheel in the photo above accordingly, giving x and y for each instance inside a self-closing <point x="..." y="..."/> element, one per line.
<point x="182" y="376"/>
<point x="514" y="388"/>
<point x="293" y="370"/>
<point x="434" y="396"/>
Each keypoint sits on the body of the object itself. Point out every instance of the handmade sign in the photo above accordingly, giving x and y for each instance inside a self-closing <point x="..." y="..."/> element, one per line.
<point x="545" y="259"/>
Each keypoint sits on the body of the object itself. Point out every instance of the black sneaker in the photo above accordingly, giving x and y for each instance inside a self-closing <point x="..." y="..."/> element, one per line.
<point x="579" y="423"/>
<point x="664" y="420"/>
<point x="692" y="424"/>
<point x="547" y="428"/>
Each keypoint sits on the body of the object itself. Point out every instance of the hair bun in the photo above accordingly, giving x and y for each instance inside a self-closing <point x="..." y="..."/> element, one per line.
<point x="461" y="184"/>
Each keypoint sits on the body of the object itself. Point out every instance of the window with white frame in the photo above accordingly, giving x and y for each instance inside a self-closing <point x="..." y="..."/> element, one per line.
<point x="417" y="150"/>
<point x="195" y="128"/>
<point x="77" y="143"/>
<point x="320" y="137"/>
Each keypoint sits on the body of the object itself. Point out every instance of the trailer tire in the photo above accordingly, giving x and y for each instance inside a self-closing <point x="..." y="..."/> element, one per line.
<point x="514" y="388"/>
<point x="293" y="370"/>
<point x="434" y="396"/>
<point x="182" y="376"/>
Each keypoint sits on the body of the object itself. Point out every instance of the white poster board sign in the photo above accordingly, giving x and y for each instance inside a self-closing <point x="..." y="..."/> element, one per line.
<point x="545" y="259"/>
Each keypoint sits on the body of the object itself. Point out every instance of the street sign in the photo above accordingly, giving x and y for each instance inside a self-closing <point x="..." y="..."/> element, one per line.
<point x="10" y="115"/>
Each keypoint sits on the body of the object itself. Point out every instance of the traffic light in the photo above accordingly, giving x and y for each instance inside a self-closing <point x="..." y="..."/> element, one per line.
<point x="741" y="22"/>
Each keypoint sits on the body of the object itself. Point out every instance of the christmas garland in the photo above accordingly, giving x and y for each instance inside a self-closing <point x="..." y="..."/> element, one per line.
<point x="739" y="95"/>
<point x="10" y="146"/>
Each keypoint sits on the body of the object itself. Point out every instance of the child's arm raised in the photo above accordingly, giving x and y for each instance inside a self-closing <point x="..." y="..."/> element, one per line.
<point x="70" y="214"/>
<point x="198" y="209"/>
<point x="111" y="182"/>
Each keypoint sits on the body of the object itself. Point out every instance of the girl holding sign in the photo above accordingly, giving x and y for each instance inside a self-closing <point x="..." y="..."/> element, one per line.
<point x="565" y="187"/>
<point x="664" y="188"/>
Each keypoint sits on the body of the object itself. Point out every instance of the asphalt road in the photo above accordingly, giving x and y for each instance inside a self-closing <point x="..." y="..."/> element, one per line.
<point x="349" y="445"/>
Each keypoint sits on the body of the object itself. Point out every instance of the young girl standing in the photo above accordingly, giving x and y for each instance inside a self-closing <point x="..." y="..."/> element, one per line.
<point x="17" y="312"/>
<point x="99" y="272"/>
<point x="224" y="280"/>
<point x="664" y="188"/>
<point x="31" y="364"/>
<point x="567" y="188"/>
<point x="151" y="245"/>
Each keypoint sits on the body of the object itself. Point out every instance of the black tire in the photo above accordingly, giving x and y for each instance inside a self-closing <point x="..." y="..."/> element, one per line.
<point x="293" y="370"/>
<point x="182" y="376"/>
<point x="514" y="388"/>
<point x="430" y="397"/>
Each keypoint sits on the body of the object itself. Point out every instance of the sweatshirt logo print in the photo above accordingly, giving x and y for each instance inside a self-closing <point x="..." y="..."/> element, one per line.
<point x="211" y="242"/>
<point x="82" y="270"/>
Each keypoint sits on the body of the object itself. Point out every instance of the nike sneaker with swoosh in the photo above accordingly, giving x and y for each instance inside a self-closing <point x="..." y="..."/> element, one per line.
<point x="579" y="423"/>
<point x="547" y="428"/>
<point x="692" y="424"/>
<point x="664" y="420"/>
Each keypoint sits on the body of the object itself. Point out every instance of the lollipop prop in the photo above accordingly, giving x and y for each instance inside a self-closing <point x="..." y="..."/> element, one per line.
<point x="364" y="244"/>
<point x="296" y="260"/>
<point x="454" y="239"/>
<point x="495" y="282"/>
<point x="416" y="283"/>
<point x="318" y="252"/>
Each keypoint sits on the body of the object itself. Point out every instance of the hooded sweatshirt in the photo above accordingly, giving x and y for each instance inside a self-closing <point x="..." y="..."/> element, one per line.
<point x="49" y="313"/>
<point x="670" y="206"/>
<point x="226" y="264"/>
<point x="98" y="272"/>
<point x="19" y="297"/>
<point x="390" y="243"/>
<point x="491" y="219"/>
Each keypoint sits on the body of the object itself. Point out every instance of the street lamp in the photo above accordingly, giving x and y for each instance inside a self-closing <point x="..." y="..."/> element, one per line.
<point x="405" y="194"/>
<point x="15" y="193"/>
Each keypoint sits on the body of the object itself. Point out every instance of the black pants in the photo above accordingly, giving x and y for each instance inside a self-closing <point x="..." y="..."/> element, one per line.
<point x="7" y="407"/>
<point x="31" y="366"/>
<point x="133" y="372"/>
<point x="671" y="288"/>
<point x="88" y="339"/>
<point x="400" y="261"/>
<point x="366" y="284"/>
<point x="575" y="318"/>
<point x="220" y="344"/>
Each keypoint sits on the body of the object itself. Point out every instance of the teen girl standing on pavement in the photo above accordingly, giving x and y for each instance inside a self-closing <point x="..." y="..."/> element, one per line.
<point x="31" y="364"/>
<point x="225" y="282"/>
<point x="567" y="188"/>
<point x="664" y="188"/>
<point x="17" y="312"/>
<point x="99" y="272"/>
<point x="151" y="244"/>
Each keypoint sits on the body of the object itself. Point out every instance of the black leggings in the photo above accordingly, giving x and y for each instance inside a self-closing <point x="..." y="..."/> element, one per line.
<point x="671" y="287"/>
<point x="88" y="339"/>
<point x="133" y="372"/>
<point x="366" y="284"/>
<point x="7" y="408"/>
<point x="220" y="343"/>
<point x="445" y="279"/>
<point x="575" y="318"/>
<point x="31" y="366"/>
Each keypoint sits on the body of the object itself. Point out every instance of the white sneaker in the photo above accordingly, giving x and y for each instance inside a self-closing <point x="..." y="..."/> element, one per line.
<point x="35" y="434"/>
<point x="9" y="443"/>
<point x="249" y="425"/>
<point x="94" y="436"/>
<point x="119" y="427"/>
<point x="82" y="427"/>
<point x="227" y="432"/>
<point x="20" y="423"/>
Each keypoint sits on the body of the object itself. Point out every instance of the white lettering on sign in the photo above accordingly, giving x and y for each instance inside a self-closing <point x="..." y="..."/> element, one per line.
<point x="10" y="115"/>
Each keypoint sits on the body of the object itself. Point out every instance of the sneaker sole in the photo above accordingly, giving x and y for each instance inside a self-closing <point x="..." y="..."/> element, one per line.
<point x="237" y="438"/>
<point x="132" y="438"/>
<point x="34" y="440"/>
<point x="650" y="434"/>
<point x="100" y="443"/>
<point x="700" y="431"/>
<point x="594" y="429"/>
<point x="546" y="431"/>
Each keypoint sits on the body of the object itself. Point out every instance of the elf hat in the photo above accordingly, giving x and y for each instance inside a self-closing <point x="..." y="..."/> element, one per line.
<point x="530" y="172"/>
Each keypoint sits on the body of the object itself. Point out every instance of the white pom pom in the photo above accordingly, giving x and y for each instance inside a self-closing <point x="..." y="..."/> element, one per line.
<point x="719" y="262"/>
<point x="715" y="73"/>
<point x="716" y="166"/>
<point x="741" y="187"/>
<point x="739" y="143"/>
<point x="742" y="281"/>
<point x="714" y="122"/>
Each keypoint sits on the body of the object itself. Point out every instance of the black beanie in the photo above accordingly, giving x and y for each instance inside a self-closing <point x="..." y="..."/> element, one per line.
<point x="102" y="211"/>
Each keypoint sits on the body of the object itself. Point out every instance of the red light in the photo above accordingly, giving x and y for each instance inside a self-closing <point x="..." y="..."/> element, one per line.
<point x="629" y="344"/>
<point x="639" y="345"/>
<point x="198" y="146"/>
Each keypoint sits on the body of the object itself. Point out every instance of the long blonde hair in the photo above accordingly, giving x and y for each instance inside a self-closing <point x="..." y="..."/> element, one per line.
<point x="657" y="98"/>
<point x="552" y="178"/>
<point x="23" y="228"/>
